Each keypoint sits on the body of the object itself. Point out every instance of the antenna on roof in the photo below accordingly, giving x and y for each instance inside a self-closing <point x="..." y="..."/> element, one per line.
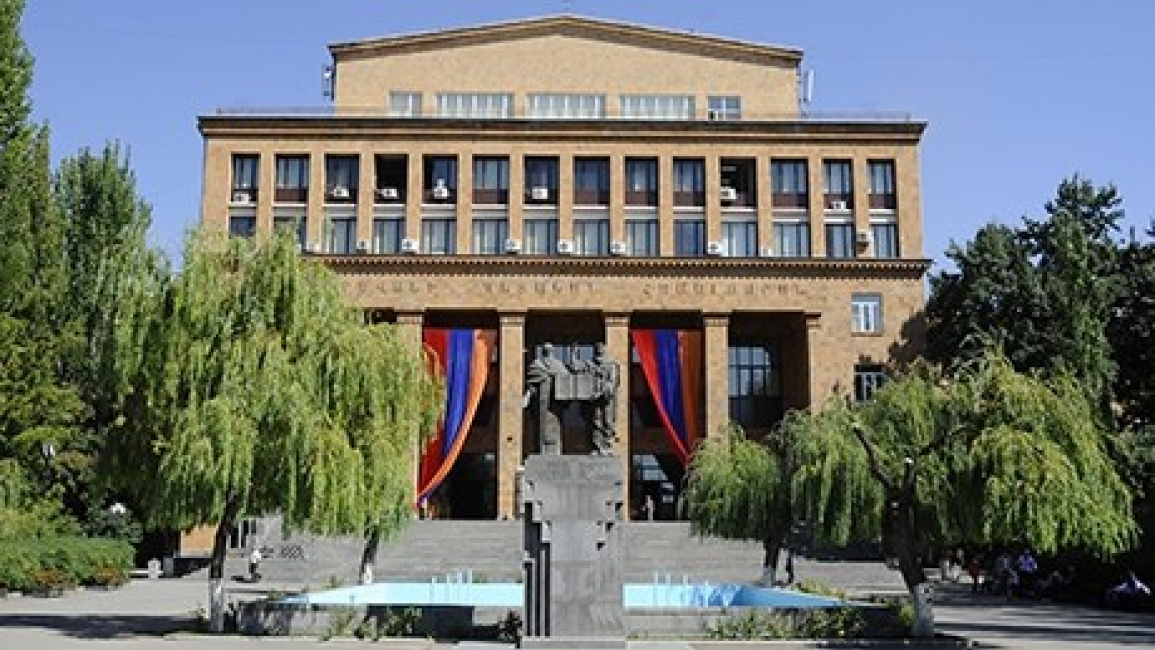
<point x="327" y="81"/>
<point x="805" y="90"/>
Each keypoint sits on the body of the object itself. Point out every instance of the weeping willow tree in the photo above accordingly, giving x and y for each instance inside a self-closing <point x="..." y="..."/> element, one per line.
<point x="986" y="455"/>
<point x="259" y="389"/>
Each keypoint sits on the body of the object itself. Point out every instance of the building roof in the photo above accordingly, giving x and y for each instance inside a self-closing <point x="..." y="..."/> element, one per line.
<point x="568" y="25"/>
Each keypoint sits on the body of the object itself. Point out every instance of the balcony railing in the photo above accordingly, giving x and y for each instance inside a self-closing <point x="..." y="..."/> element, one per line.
<point x="383" y="112"/>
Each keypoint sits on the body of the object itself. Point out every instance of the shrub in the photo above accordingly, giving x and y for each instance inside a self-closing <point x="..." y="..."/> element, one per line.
<point x="66" y="561"/>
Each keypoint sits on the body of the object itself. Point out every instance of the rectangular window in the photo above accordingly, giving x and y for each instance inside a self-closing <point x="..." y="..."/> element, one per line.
<point x="540" y="236"/>
<point x="541" y="180"/>
<point x="475" y="105"/>
<point x="591" y="236"/>
<point x="387" y="236"/>
<point x="641" y="181"/>
<point x="866" y="313"/>
<point x="792" y="239"/>
<point x="245" y="176"/>
<point x="242" y="226"/>
<point x="740" y="238"/>
<point x="591" y="181"/>
<point x="882" y="184"/>
<point x="657" y="107"/>
<point x="440" y="179"/>
<point x="392" y="178"/>
<point x="837" y="184"/>
<point x="690" y="237"/>
<point x="788" y="183"/>
<point x="341" y="236"/>
<point x="404" y="104"/>
<point x="754" y="385"/>
<point x="868" y="378"/>
<point x="566" y="106"/>
<point x="489" y="236"/>
<point x="292" y="182"/>
<point x="737" y="183"/>
<point x="341" y="176"/>
<point x="885" y="237"/>
<point x="689" y="182"/>
<point x="642" y="237"/>
<point x="725" y="107"/>
<point x="490" y="180"/>
<point x="294" y="223"/>
<point x="439" y="236"/>
<point x="839" y="240"/>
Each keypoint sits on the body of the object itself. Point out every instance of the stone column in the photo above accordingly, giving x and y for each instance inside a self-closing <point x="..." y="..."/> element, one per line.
<point x="618" y="187"/>
<point x="665" y="207"/>
<point x="409" y="323"/>
<point x="414" y="195"/>
<point x="618" y="349"/>
<point x="765" y="193"/>
<point x="860" y="179"/>
<point x="820" y="381"/>
<point x="713" y="182"/>
<point x="366" y="195"/>
<point x="315" y="205"/>
<point x="565" y="190"/>
<point x="716" y="335"/>
<point x="511" y="373"/>
<point x="464" y="207"/>
<point x="266" y="188"/>
<point x="816" y="207"/>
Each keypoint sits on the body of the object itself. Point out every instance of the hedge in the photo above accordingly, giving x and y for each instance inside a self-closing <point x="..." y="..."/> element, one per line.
<point x="63" y="562"/>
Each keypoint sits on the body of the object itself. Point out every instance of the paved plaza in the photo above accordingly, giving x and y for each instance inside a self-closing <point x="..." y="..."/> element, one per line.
<point x="151" y="614"/>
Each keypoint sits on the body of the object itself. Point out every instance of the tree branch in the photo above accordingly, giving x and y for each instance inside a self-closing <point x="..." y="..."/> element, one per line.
<point x="872" y="456"/>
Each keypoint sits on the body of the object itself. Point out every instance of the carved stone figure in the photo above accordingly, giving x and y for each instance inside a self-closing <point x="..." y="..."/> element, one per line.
<point x="541" y="379"/>
<point x="601" y="409"/>
<point x="551" y="386"/>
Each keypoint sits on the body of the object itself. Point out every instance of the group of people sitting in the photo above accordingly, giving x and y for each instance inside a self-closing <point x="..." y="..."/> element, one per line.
<point x="1020" y="577"/>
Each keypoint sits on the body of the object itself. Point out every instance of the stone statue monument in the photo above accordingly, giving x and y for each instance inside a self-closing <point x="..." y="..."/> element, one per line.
<point x="551" y="386"/>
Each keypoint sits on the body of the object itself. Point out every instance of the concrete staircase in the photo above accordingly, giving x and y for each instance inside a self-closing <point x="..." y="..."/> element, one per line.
<point x="491" y="551"/>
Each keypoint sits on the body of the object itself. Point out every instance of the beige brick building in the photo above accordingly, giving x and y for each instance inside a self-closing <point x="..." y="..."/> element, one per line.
<point x="577" y="181"/>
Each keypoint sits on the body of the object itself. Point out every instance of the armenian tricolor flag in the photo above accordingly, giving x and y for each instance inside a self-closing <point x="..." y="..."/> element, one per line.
<point x="462" y="358"/>
<point x="672" y="363"/>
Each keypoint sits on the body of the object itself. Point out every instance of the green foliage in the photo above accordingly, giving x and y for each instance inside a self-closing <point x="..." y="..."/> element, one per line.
<point x="757" y="624"/>
<point x="1043" y="293"/>
<point x="256" y="383"/>
<point x="731" y="487"/>
<point x="63" y="561"/>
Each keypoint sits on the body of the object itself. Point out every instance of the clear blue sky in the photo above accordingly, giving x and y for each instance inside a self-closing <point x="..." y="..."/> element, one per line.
<point x="1018" y="95"/>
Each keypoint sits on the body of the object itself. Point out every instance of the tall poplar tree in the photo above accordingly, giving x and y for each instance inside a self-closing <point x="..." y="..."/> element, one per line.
<point x="38" y="412"/>
<point x="259" y="389"/>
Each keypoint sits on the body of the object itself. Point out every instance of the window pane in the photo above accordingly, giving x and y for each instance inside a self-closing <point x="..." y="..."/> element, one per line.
<point x="866" y="313"/>
<point x="740" y="239"/>
<point x="690" y="238"/>
<point x="642" y="237"/>
<point x="792" y="239"/>
<point x="839" y="240"/>
<point x="489" y="236"/>
<point x="387" y="235"/>
<point x="439" y="236"/>
<point x="592" y="237"/>
<point x="540" y="236"/>
<point x="885" y="240"/>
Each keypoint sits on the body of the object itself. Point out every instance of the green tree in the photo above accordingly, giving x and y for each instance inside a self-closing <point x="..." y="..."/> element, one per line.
<point x="38" y="411"/>
<point x="1131" y="331"/>
<point x="986" y="455"/>
<point x="1042" y="292"/>
<point x="259" y="389"/>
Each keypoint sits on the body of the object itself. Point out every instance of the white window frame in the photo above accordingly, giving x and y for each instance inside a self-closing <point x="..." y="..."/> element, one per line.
<point x="866" y="313"/>
<point x="565" y="106"/>
<point x="475" y="105"/>
<point x="657" y="107"/>
<point x="404" y="103"/>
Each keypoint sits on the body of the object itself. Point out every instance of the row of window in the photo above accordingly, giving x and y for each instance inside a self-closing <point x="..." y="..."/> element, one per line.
<point x="737" y="182"/>
<point x="490" y="236"/>
<point x="582" y="106"/>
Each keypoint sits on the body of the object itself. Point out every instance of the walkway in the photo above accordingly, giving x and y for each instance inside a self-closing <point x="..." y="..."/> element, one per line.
<point x="144" y="613"/>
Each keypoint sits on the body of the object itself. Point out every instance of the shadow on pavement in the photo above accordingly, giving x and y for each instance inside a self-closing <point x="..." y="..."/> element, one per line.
<point x="98" y="626"/>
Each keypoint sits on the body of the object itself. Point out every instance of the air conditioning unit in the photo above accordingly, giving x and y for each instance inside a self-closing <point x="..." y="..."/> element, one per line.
<point x="387" y="192"/>
<point x="714" y="248"/>
<point x="242" y="196"/>
<point x="539" y="193"/>
<point x="864" y="238"/>
<point x="840" y="206"/>
<point x="363" y="245"/>
<point x="513" y="245"/>
<point x="410" y="245"/>
<point x="565" y="246"/>
<point x="314" y="247"/>
<point x="339" y="192"/>
<point x="728" y="194"/>
<point x="619" y="248"/>
<point x="713" y="114"/>
<point x="766" y="251"/>
<point x="440" y="192"/>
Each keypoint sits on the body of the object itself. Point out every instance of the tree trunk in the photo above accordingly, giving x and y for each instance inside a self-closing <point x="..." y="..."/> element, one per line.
<point x="369" y="557"/>
<point x="770" y="561"/>
<point x="217" y="565"/>
<point x="900" y="528"/>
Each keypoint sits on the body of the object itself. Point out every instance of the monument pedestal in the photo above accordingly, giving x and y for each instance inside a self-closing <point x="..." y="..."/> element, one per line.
<point x="573" y="568"/>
